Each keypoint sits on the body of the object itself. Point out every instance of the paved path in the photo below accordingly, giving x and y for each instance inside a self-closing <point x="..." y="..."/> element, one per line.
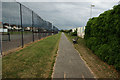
<point x="68" y="63"/>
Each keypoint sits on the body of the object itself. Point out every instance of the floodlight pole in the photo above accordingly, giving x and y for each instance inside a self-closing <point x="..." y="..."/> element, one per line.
<point x="21" y="25"/>
<point x="91" y="10"/>
<point x="119" y="3"/>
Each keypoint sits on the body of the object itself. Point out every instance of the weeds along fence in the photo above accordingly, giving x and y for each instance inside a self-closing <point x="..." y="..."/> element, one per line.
<point x="21" y="25"/>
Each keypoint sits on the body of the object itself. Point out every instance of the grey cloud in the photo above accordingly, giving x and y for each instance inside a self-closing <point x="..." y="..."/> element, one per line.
<point x="68" y="0"/>
<point x="66" y="15"/>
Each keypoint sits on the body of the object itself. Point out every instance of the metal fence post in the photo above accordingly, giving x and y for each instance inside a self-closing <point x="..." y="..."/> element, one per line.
<point x="1" y="43"/>
<point x="39" y="32"/>
<point x="32" y="26"/>
<point x="9" y="36"/>
<point x="21" y="25"/>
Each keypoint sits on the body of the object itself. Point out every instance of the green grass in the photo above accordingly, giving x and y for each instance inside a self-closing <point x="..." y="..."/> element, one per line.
<point x="34" y="61"/>
<point x="99" y="68"/>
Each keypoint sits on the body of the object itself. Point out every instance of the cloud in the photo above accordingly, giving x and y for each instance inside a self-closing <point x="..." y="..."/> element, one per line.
<point x="94" y="1"/>
<point x="69" y="14"/>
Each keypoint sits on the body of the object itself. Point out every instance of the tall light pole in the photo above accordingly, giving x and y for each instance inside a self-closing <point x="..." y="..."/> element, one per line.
<point x="119" y="3"/>
<point x="91" y="10"/>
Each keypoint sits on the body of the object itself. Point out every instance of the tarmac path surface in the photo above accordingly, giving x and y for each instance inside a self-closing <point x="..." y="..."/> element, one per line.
<point x="68" y="63"/>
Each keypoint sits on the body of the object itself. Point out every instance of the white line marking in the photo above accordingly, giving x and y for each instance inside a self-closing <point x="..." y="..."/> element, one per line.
<point x="55" y="59"/>
<point x="64" y="76"/>
<point x="86" y="64"/>
<point x="83" y="77"/>
<point x="54" y="65"/>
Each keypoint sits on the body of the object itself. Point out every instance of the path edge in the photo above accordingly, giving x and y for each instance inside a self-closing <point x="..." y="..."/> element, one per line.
<point x="83" y="59"/>
<point x="54" y="65"/>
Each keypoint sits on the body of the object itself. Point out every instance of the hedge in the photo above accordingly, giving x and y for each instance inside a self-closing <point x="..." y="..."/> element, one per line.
<point x="102" y="35"/>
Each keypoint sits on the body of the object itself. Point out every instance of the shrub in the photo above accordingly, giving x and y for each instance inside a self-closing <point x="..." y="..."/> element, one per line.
<point x="74" y="33"/>
<point x="102" y="35"/>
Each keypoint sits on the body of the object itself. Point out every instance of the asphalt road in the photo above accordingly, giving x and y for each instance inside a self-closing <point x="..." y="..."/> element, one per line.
<point x="68" y="63"/>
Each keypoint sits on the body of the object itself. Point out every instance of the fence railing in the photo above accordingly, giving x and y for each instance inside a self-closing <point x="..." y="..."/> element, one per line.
<point x="23" y="26"/>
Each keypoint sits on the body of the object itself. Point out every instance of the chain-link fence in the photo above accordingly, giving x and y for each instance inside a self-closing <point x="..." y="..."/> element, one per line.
<point x="22" y="25"/>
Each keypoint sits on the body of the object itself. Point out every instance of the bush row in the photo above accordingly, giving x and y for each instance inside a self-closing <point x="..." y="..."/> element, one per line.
<point x="102" y="35"/>
<point x="70" y="32"/>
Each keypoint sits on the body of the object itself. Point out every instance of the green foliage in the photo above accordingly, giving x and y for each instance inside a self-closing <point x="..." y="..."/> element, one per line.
<point x="66" y="31"/>
<point x="34" y="61"/>
<point x="74" y="33"/>
<point x="102" y="35"/>
<point x="62" y="30"/>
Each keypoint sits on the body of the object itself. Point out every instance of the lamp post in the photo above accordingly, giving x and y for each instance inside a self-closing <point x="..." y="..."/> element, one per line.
<point x="119" y="3"/>
<point x="91" y="10"/>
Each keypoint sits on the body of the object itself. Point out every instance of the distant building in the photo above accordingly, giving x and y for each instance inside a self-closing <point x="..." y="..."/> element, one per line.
<point x="2" y="29"/>
<point x="80" y="31"/>
<point x="28" y="28"/>
<point x="73" y="30"/>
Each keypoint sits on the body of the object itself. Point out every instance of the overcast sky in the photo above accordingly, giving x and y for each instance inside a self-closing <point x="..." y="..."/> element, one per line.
<point x="67" y="14"/>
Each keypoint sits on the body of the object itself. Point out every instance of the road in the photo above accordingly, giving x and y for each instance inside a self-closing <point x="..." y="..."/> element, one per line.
<point x="68" y="63"/>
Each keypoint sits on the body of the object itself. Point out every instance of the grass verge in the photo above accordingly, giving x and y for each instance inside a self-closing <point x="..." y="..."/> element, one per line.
<point x="34" y="61"/>
<point x="99" y="68"/>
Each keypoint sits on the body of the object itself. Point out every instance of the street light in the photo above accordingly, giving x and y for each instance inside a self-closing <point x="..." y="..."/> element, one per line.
<point x="91" y="10"/>
<point x="119" y="3"/>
